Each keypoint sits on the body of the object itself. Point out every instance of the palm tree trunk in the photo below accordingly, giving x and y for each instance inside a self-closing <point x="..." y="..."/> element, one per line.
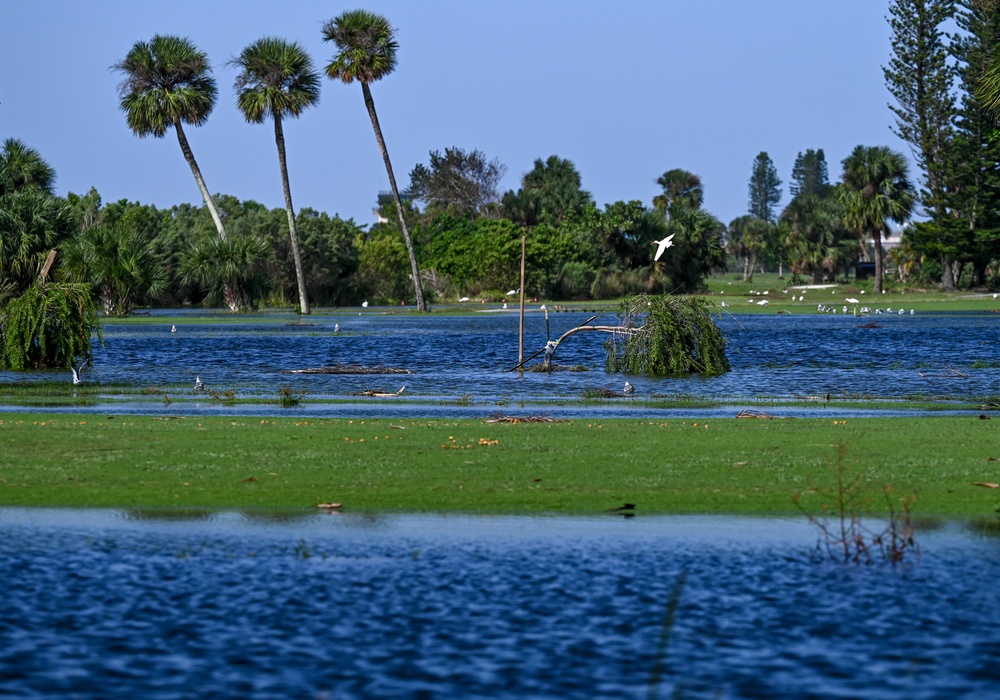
<point x="877" y="239"/>
<point x="300" y="275"/>
<point x="189" y="157"/>
<point x="370" y="104"/>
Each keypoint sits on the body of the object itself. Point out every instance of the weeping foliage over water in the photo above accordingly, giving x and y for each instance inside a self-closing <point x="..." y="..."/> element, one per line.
<point x="49" y="326"/>
<point x="667" y="335"/>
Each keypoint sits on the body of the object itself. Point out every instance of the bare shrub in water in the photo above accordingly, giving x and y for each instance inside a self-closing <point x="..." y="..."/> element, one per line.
<point x="844" y="534"/>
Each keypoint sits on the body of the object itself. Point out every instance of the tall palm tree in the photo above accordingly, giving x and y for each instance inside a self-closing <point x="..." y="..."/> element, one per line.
<point x="875" y="189"/>
<point x="366" y="52"/>
<point x="277" y="79"/>
<point x="167" y="83"/>
<point x="22" y="167"/>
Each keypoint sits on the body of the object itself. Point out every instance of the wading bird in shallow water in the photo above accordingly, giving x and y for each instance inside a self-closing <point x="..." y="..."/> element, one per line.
<point x="198" y="384"/>
<point x="663" y="245"/>
<point x="629" y="389"/>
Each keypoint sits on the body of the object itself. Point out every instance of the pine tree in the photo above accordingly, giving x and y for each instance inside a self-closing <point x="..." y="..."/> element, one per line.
<point x="765" y="188"/>
<point x="920" y="78"/>
<point x="975" y="195"/>
<point x="809" y="174"/>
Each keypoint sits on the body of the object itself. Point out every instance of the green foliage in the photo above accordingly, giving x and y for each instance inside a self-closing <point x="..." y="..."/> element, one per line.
<point x="815" y="241"/>
<point x="667" y="335"/>
<point x="366" y="47"/>
<point x="24" y="168"/>
<point x="875" y="189"/>
<point x="382" y="268"/>
<point x="32" y="222"/>
<point x="809" y="174"/>
<point x="551" y="192"/>
<point x="50" y="325"/>
<point x="167" y="81"/>
<point x="764" y="188"/>
<point x="120" y="265"/>
<point x="231" y="270"/>
<point x="679" y="187"/>
<point x="464" y="183"/>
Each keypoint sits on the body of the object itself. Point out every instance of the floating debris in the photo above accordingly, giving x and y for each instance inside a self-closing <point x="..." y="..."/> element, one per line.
<point x="348" y="369"/>
<point x="499" y="418"/>
<point x="381" y="394"/>
<point x="754" y="414"/>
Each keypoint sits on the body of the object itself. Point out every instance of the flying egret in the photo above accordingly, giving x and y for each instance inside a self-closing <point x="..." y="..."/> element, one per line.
<point x="512" y="292"/>
<point x="663" y="245"/>
<point x="76" y="373"/>
<point x="629" y="389"/>
<point x="463" y="300"/>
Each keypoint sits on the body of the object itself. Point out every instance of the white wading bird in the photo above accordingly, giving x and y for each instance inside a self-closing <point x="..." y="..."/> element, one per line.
<point x="629" y="389"/>
<point x="663" y="245"/>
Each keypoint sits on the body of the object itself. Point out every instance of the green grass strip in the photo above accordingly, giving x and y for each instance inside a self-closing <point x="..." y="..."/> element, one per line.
<point x="737" y="466"/>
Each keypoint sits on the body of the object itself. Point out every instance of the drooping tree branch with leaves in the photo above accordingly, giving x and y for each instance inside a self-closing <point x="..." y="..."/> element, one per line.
<point x="50" y="325"/>
<point x="660" y="335"/>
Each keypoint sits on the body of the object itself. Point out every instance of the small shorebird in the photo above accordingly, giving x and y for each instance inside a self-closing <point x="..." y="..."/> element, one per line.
<point x="663" y="245"/>
<point x="629" y="389"/>
<point x="173" y="329"/>
<point x="364" y="304"/>
<point x="198" y="384"/>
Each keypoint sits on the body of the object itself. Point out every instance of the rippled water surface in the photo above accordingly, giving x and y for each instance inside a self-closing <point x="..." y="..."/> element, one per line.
<point x="461" y="364"/>
<point x="159" y="604"/>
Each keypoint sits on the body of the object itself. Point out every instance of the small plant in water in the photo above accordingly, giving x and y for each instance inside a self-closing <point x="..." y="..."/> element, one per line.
<point x="227" y="395"/>
<point x="844" y="535"/>
<point x="303" y="550"/>
<point x="288" y="397"/>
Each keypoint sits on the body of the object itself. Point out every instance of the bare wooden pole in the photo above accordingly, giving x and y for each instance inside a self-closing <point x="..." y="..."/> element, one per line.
<point x="520" y="328"/>
<point x="48" y="265"/>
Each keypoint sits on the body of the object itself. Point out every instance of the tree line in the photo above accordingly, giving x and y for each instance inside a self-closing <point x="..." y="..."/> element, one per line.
<point x="453" y="233"/>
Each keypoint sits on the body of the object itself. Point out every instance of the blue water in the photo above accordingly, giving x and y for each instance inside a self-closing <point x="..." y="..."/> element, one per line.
<point x="161" y="604"/>
<point x="461" y="364"/>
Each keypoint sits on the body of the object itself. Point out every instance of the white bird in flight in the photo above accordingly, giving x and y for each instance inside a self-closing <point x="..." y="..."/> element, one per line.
<point x="663" y="245"/>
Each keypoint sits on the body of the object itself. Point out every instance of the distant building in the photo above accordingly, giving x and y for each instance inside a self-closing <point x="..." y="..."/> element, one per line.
<point x="385" y="199"/>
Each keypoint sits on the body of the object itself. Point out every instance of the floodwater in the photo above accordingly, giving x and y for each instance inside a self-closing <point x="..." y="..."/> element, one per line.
<point x="461" y="364"/>
<point x="180" y="604"/>
<point x="161" y="604"/>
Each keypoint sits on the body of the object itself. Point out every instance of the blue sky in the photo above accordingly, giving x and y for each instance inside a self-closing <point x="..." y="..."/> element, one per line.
<point x="625" y="90"/>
